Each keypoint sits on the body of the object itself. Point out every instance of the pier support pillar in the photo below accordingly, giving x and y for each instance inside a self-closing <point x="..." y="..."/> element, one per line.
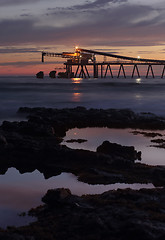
<point x="163" y="72"/>
<point x="135" y="67"/>
<point x="77" y="71"/>
<point x="150" y="67"/>
<point x="121" y="67"/>
<point x="95" y="71"/>
<point x="83" y="72"/>
<point x="108" y="66"/>
<point x="87" y="71"/>
<point x="69" y="70"/>
<point x="101" y="71"/>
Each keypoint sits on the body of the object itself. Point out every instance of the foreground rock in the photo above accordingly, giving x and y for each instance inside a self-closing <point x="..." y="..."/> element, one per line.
<point x="116" y="215"/>
<point x="114" y="149"/>
<point x="76" y="140"/>
<point x="63" y="119"/>
<point x="147" y="134"/>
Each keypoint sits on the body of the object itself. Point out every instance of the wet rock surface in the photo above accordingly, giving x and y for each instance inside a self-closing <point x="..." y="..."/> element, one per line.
<point x="147" y="134"/>
<point x="123" y="214"/>
<point x="118" y="215"/>
<point x="76" y="140"/>
<point x="64" y="119"/>
<point x="114" y="149"/>
<point x="160" y="143"/>
<point x="14" y="236"/>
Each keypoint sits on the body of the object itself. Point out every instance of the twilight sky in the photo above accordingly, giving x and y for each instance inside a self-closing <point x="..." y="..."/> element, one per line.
<point x="129" y="27"/>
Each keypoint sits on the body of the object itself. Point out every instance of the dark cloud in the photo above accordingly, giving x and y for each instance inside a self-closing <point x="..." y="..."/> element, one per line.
<point x="18" y="50"/>
<point x="16" y="2"/>
<point x="15" y="31"/>
<point x="119" y="26"/>
<point x="88" y="6"/>
<point x="97" y="3"/>
<point x="107" y="49"/>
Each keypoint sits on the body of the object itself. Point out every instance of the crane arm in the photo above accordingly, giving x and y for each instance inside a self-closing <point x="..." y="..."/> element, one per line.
<point x="120" y="56"/>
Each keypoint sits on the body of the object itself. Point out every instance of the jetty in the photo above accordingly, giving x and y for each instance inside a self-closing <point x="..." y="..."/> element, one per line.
<point x="82" y="60"/>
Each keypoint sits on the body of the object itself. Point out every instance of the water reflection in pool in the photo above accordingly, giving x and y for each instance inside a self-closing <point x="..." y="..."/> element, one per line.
<point x="95" y="137"/>
<point x="20" y="192"/>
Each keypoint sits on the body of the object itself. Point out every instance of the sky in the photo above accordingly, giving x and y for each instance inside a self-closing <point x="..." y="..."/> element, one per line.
<point x="27" y="27"/>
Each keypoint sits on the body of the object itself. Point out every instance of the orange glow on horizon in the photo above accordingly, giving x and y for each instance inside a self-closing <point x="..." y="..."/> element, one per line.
<point x="30" y="70"/>
<point x="22" y="63"/>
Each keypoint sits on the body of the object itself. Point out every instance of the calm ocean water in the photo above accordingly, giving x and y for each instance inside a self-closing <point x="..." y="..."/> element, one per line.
<point x="137" y="94"/>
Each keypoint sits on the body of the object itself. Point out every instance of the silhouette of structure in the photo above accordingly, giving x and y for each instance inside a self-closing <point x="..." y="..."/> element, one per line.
<point x="84" y="58"/>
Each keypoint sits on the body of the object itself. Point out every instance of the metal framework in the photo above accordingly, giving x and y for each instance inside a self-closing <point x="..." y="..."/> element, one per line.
<point x="81" y="58"/>
<point x="82" y="70"/>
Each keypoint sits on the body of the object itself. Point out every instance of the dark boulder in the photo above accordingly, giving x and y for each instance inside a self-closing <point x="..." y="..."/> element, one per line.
<point x="62" y="75"/>
<point x="52" y="74"/>
<point x="3" y="141"/>
<point x="114" y="149"/>
<point x="56" y="196"/>
<point x="40" y="74"/>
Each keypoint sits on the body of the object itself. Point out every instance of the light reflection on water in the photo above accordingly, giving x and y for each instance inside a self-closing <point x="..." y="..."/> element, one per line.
<point x="138" y="94"/>
<point x="95" y="137"/>
<point x="138" y="80"/>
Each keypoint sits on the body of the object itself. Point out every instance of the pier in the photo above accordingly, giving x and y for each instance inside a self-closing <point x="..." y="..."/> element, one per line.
<point x="99" y="71"/>
<point x="83" y="59"/>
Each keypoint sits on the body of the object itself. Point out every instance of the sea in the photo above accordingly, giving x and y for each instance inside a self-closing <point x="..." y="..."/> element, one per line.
<point x="20" y="192"/>
<point x="139" y="94"/>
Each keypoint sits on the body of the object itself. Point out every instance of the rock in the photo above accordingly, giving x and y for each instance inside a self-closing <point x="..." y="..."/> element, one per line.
<point x="160" y="143"/>
<point x="14" y="236"/>
<point x="76" y="140"/>
<point x="52" y="74"/>
<point x="62" y="198"/>
<point x="62" y="75"/>
<point x="114" y="149"/>
<point x="10" y="126"/>
<point x="35" y="144"/>
<point x="40" y="74"/>
<point x="158" y="175"/>
<point x="118" y="215"/>
<point x="3" y="141"/>
<point x="3" y="170"/>
<point x="147" y="134"/>
<point x="159" y="140"/>
<point x="81" y="117"/>
<point x="56" y="197"/>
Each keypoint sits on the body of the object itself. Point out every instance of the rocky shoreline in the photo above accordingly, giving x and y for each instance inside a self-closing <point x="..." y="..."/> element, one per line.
<point x="37" y="144"/>
<point x="121" y="214"/>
